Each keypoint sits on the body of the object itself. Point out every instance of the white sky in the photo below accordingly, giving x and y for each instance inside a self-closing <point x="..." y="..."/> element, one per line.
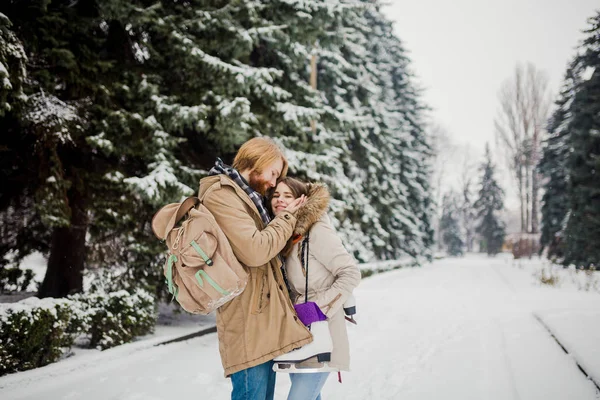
<point x="462" y="51"/>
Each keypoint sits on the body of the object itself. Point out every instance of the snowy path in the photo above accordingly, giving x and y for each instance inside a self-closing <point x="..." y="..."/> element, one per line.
<point x="460" y="329"/>
<point x="456" y="329"/>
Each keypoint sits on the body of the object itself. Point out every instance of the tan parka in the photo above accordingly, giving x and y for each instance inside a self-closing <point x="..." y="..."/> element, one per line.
<point x="332" y="272"/>
<point x="260" y="324"/>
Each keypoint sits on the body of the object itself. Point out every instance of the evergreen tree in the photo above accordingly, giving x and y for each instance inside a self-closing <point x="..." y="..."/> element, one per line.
<point x="45" y="151"/>
<point x="384" y="150"/>
<point x="14" y="155"/>
<point x="571" y="159"/>
<point x="489" y="202"/>
<point x="317" y="28"/>
<point x="553" y="166"/>
<point x="452" y="235"/>
<point x="200" y="87"/>
<point x="583" y="225"/>
<point x="124" y="105"/>
<point x="12" y="66"/>
<point x="119" y="97"/>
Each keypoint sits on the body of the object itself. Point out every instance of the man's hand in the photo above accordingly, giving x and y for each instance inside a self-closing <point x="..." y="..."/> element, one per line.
<point x="296" y="204"/>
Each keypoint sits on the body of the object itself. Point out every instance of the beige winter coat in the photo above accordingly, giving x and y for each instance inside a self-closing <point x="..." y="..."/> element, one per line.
<point x="332" y="272"/>
<point x="261" y="323"/>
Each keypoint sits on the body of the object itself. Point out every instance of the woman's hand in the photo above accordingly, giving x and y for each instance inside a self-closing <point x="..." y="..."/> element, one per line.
<point x="296" y="204"/>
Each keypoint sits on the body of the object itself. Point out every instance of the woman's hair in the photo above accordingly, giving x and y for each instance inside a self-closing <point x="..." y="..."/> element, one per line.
<point x="257" y="153"/>
<point x="297" y="187"/>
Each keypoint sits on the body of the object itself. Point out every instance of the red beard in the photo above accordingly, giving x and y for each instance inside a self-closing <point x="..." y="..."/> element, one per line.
<point x="259" y="185"/>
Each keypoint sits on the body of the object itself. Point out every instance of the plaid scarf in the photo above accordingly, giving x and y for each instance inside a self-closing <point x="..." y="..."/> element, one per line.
<point x="257" y="199"/>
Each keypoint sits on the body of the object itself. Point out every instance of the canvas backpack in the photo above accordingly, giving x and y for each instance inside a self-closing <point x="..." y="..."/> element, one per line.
<point x="201" y="271"/>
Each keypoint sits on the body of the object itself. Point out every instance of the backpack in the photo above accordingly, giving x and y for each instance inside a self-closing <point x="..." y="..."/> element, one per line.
<point x="201" y="271"/>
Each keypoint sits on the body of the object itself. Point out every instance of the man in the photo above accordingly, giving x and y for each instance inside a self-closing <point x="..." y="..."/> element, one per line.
<point x="260" y="324"/>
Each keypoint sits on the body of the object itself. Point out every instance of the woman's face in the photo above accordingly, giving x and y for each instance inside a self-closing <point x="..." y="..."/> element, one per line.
<point x="282" y="196"/>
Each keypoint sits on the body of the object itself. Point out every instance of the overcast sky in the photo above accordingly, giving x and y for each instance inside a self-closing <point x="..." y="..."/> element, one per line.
<point x="462" y="51"/>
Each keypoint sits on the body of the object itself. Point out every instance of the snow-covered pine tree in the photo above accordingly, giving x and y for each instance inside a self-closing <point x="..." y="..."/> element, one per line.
<point x="304" y="29"/>
<point x="131" y="114"/>
<point x="372" y="124"/>
<point x="215" y="73"/>
<point x="190" y="84"/>
<point x="12" y="66"/>
<point x="351" y="138"/>
<point x="554" y="167"/>
<point x="405" y="152"/>
<point x="583" y="225"/>
<point x="122" y="116"/>
<point x="277" y="38"/>
<point x="16" y="160"/>
<point x="489" y="203"/>
<point x="452" y="235"/>
<point x="45" y="136"/>
<point x="342" y="81"/>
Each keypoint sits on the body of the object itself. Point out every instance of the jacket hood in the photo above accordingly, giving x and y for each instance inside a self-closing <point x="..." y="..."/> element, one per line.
<point x="315" y="207"/>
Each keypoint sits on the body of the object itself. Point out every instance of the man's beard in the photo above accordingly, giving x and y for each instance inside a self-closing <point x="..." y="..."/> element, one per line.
<point x="259" y="185"/>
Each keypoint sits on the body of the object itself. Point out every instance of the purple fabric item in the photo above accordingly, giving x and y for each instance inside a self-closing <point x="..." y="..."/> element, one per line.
<point x="309" y="313"/>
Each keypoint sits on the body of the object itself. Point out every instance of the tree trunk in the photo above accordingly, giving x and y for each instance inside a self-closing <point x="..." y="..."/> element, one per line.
<point x="535" y="225"/>
<point x="521" y="200"/>
<point x="535" y="182"/>
<point x="64" y="275"/>
<point x="527" y="196"/>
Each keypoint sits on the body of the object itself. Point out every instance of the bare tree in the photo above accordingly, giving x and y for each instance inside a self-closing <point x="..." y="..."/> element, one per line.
<point x="468" y="216"/>
<point x="444" y="151"/>
<point x="524" y="105"/>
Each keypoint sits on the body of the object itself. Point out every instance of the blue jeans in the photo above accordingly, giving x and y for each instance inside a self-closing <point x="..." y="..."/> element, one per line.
<point x="307" y="386"/>
<point x="254" y="383"/>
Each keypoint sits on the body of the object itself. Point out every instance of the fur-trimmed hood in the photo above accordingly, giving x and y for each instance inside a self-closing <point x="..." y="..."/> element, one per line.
<point x="316" y="205"/>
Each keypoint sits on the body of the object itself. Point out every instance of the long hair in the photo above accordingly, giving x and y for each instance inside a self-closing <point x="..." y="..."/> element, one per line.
<point x="257" y="153"/>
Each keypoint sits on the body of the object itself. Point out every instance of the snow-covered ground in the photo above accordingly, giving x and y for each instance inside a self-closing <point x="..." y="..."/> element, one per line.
<point x="465" y="328"/>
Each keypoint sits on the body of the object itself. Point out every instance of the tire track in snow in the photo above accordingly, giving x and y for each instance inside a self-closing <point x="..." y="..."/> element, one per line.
<point x="509" y="368"/>
<point x="543" y="324"/>
<point x="583" y="371"/>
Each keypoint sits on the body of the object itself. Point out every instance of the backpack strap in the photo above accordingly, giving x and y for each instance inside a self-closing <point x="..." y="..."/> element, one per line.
<point x="304" y="252"/>
<point x="169" y="275"/>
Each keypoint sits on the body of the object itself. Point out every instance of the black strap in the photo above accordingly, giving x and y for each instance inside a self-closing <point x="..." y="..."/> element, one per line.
<point x="304" y="260"/>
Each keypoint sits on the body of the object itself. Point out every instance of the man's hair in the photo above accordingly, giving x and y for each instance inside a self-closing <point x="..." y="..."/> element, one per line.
<point x="257" y="153"/>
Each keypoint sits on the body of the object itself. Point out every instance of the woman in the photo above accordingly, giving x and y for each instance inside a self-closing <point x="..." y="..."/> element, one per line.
<point x="333" y="275"/>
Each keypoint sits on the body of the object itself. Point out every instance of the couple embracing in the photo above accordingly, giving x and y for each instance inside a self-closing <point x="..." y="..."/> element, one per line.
<point x="278" y="228"/>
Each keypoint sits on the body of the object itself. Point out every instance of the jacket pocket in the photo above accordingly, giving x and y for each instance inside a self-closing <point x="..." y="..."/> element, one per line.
<point x="260" y="295"/>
